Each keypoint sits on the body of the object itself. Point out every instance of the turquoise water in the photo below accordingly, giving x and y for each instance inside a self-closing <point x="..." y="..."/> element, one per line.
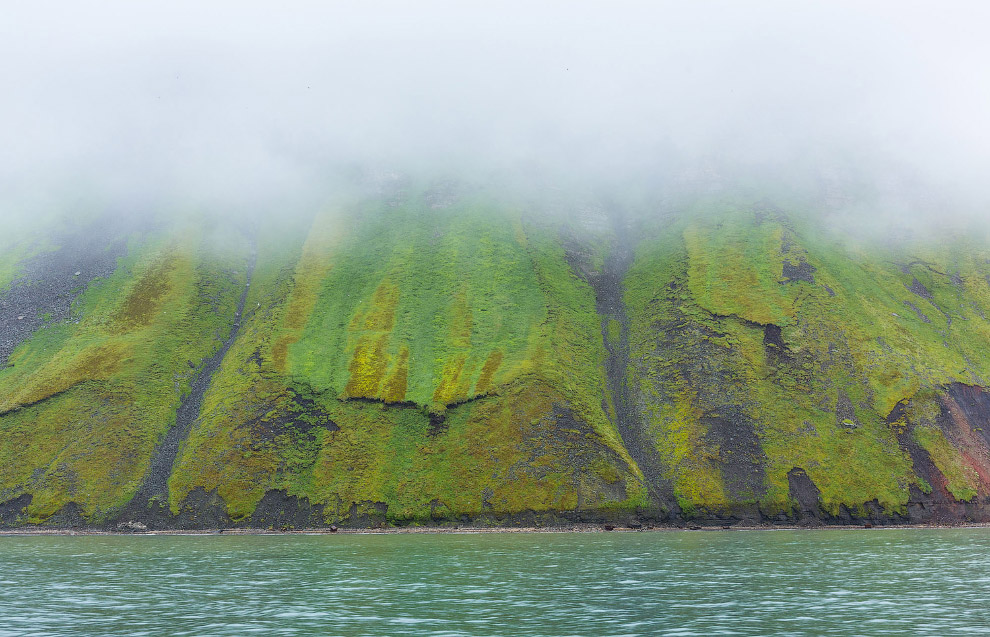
<point x="852" y="582"/>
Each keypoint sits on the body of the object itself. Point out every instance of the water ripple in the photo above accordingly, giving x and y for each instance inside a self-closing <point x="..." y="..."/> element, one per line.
<point x="891" y="582"/>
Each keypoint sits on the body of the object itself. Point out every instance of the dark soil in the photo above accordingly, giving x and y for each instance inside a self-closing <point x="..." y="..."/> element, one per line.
<point x="739" y="456"/>
<point x="804" y="491"/>
<point x="153" y="493"/>
<point x="564" y="435"/>
<point x="69" y="516"/>
<point x="279" y="510"/>
<point x="918" y="288"/>
<point x="300" y="415"/>
<point x="800" y="271"/>
<point x="774" y="346"/>
<point x="13" y="512"/>
<point x="921" y="315"/>
<point x="975" y="405"/>
<point x="201" y="509"/>
<point x="49" y="282"/>
<point x="937" y="506"/>
<point x="610" y="306"/>
<point x="438" y="424"/>
<point x="845" y="414"/>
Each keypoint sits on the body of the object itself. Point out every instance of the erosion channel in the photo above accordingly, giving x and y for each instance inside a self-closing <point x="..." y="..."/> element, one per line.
<point x="611" y="307"/>
<point x="150" y="504"/>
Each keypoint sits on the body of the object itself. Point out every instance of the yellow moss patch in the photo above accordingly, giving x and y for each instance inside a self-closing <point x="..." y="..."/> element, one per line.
<point x="461" y="322"/>
<point x="488" y="371"/>
<point x="395" y="387"/>
<point x="381" y="315"/>
<point x="451" y="389"/>
<point x="367" y="367"/>
<point x="679" y="438"/>
<point x="370" y="358"/>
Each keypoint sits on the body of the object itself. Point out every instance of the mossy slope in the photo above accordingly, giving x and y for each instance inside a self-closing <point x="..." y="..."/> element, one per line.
<point x="761" y="344"/>
<point x="441" y="355"/>
<point x="84" y="401"/>
<point x="417" y="363"/>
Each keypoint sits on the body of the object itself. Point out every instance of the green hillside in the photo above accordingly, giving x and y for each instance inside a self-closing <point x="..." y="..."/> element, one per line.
<point x="448" y="356"/>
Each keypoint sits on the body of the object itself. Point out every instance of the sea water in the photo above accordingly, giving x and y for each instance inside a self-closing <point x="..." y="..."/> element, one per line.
<point x="849" y="582"/>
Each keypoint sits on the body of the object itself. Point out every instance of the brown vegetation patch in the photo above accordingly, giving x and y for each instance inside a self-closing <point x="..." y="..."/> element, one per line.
<point x="144" y="299"/>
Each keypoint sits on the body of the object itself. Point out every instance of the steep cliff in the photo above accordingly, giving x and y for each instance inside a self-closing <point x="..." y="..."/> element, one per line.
<point x="440" y="355"/>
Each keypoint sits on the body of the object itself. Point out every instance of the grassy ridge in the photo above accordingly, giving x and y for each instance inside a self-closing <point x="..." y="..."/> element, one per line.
<point x="443" y="362"/>
<point x="86" y="401"/>
<point x="772" y="322"/>
<point x="421" y="301"/>
<point x="426" y="357"/>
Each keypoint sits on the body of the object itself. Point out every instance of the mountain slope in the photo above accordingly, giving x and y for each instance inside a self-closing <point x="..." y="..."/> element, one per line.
<point x="442" y="355"/>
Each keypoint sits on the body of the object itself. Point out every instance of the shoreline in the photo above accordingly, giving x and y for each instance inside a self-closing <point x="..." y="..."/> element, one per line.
<point x="23" y="532"/>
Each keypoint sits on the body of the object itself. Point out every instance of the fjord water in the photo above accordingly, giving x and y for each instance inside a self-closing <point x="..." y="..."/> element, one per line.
<point x="917" y="581"/>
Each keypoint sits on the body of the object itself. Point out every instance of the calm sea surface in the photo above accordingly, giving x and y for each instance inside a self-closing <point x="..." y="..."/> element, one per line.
<point x="851" y="582"/>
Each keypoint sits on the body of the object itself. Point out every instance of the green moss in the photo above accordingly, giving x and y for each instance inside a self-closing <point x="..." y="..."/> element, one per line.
<point x="87" y="400"/>
<point x="699" y="295"/>
<point x="452" y="361"/>
<point x="733" y="268"/>
<point x="449" y="288"/>
<point x="469" y="314"/>
<point x="961" y="480"/>
<point x="16" y="246"/>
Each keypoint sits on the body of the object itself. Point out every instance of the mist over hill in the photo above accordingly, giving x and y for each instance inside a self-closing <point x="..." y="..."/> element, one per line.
<point x="435" y="352"/>
<point x="440" y="264"/>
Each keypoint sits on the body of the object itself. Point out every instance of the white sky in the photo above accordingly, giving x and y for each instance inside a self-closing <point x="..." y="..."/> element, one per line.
<point x="228" y="98"/>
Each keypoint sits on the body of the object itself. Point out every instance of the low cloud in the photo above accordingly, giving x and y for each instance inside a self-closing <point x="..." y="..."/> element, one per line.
<point x="161" y="105"/>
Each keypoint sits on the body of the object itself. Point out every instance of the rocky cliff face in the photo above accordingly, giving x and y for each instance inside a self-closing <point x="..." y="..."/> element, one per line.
<point x="436" y="356"/>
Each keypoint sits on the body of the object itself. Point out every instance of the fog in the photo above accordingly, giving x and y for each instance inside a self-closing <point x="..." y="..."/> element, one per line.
<point x="228" y="105"/>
